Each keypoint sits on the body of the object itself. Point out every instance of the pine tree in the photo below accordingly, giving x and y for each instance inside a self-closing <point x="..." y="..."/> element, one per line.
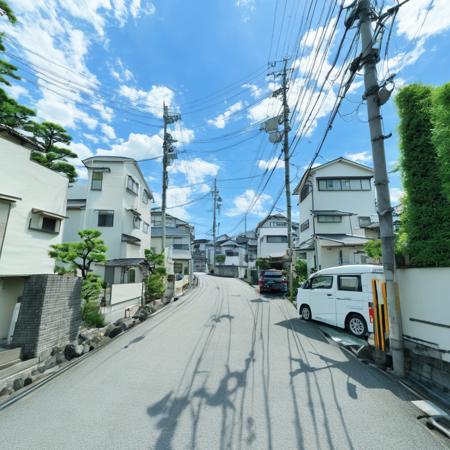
<point x="48" y="135"/>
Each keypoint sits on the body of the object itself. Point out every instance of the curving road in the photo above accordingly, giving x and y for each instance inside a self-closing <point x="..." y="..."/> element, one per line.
<point x="221" y="369"/>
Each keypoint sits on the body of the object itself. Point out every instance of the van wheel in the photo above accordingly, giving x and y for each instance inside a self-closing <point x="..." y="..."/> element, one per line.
<point x="357" y="325"/>
<point x="305" y="312"/>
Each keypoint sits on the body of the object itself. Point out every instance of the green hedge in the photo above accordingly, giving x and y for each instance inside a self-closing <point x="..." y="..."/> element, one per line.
<point x="425" y="228"/>
<point x="441" y="133"/>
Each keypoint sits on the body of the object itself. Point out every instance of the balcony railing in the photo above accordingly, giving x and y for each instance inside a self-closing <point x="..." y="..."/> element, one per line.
<point x="180" y="246"/>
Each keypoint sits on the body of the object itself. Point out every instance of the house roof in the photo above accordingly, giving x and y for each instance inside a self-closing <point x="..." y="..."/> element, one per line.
<point x="341" y="159"/>
<point x="23" y="140"/>
<point x="119" y="159"/>
<point x="271" y="216"/>
<point x="124" y="262"/>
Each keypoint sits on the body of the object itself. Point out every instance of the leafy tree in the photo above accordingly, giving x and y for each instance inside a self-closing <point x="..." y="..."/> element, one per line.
<point x="155" y="281"/>
<point x="373" y="250"/>
<point x="48" y="135"/>
<point x="81" y="255"/>
<point x="220" y="259"/>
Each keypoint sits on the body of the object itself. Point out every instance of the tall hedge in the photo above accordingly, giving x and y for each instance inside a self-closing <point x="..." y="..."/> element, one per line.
<point x="441" y="133"/>
<point x="426" y="222"/>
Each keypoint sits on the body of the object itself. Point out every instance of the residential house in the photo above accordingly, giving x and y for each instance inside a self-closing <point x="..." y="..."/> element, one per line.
<point x="179" y="237"/>
<point x="116" y="200"/>
<point x="249" y="240"/>
<point x="272" y="239"/>
<point x="230" y="259"/>
<point x="199" y="255"/>
<point x="337" y="213"/>
<point x="32" y="214"/>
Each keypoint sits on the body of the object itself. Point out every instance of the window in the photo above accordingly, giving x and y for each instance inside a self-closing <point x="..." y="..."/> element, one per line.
<point x="276" y="239"/>
<point x="136" y="222"/>
<point x="145" y="196"/>
<point x="329" y="219"/>
<point x="4" y="214"/>
<point x="145" y="227"/>
<point x="344" y="184"/>
<point x="97" y="181"/>
<point x="156" y="222"/>
<point x="132" y="185"/>
<point x="131" y="275"/>
<point x="304" y="192"/>
<point x="49" y="224"/>
<point x="105" y="219"/>
<point x="280" y="224"/>
<point x="322" y="282"/>
<point x="364" y="221"/>
<point x="349" y="283"/>
<point x="305" y="225"/>
<point x="44" y="221"/>
<point x="178" y="267"/>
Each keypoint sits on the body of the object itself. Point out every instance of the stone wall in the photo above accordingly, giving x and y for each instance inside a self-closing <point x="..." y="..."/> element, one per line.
<point x="50" y="314"/>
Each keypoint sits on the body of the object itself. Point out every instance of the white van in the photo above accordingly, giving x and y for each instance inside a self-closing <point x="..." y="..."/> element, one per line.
<point x="340" y="296"/>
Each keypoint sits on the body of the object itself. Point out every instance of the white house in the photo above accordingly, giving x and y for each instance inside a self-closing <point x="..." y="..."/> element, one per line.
<point x="272" y="239"/>
<point x="337" y="213"/>
<point x="32" y="213"/>
<point x="117" y="201"/>
<point x="179" y="237"/>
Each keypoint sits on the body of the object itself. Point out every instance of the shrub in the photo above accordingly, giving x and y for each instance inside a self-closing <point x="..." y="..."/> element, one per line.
<point x="90" y="293"/>
<point x="373" y="249"/>
<point x="154" y="283"/>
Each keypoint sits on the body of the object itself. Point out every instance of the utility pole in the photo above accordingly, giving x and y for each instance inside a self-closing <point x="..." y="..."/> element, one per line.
<point x="217" y="202"/>
<point x="285" y="137"/>
<point x="169" y="153"/>
<point x="370" y="57"/>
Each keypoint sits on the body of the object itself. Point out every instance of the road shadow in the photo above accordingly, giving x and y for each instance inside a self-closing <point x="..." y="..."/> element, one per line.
<point x="307" y="329"/>
<point x="218" y="319"/>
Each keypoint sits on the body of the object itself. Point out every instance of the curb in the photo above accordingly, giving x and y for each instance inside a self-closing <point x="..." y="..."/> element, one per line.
<point x="24" y="392"/>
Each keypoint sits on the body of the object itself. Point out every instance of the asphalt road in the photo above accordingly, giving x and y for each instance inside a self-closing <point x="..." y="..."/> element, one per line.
<point x="221" y="369"/>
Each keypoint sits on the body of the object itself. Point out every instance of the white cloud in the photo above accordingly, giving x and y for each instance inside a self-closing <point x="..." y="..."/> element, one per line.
<point x="138" y="146"/>
<point x="270" y="164"/>
<point x="120" y="72"/>
<point x="313" y="36"/>
<point x="177" y="196"/>
<point x="222" y="119"/>
<point x="91" y="137"/>
<point x="105" y="111"/>
<point x="195" y="170"/>
<point x="243" y="202"/>
<point x="83" y="152"/>
<point x="151" y="100"/>
<point x="16" y="91"/>
<point x="412" y="15"/>
<point x="182" y="135"/>
<point x="361" y="157"/>
<point x="265" y="109"/>
<point x="254" y="89"/>
<point x="403" y="59"/>
<point x="108" y="131"/>
<point x="136" y="9"/>
<point x="396" y="195"/>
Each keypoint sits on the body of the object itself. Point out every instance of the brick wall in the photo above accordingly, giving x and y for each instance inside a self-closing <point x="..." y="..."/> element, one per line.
<point x="50" y="313"/>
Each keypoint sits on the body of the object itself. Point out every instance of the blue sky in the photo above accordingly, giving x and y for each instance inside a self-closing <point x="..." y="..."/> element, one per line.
<point x="102" y="69"/>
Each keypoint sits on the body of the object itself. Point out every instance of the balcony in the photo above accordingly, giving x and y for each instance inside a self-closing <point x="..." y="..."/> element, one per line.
<point x="181" y="246"/>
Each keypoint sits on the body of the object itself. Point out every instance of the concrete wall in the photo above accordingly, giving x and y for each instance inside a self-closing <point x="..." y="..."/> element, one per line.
<point x="50" y="313"/>
<point x="25" y="251"/>
<point x="425" y="306"/>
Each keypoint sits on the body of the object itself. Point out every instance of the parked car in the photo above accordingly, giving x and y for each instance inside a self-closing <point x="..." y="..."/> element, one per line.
<point x="272" y="280"/>
<point x="340" y="296"/>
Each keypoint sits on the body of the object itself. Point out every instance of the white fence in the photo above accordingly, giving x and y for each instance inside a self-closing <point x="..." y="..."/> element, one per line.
<point x="425" y="306"/>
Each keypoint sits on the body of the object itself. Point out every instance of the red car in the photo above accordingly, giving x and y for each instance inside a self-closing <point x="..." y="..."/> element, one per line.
<point x="272" y="280"/>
